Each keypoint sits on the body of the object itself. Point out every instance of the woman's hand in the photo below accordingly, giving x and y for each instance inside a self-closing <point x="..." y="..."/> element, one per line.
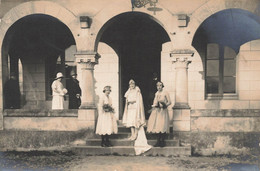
<point x="65" y="91"/>
<point x="131" y="102"/>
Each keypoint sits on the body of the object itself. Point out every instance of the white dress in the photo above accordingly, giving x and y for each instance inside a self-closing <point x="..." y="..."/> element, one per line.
<point x="134" y="116"/>
<point x="58" y="92"/>
<point x="106" y="123"/>
<point x="134" y="113"/>
<point x="159" y="119"/>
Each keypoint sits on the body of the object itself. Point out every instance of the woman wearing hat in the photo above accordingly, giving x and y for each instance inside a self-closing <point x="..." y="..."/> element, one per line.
<point x="134" y="117"/>
<point x="106" y="124"/>
<point x="159" y="119"/>
<point x="58" y="92"/>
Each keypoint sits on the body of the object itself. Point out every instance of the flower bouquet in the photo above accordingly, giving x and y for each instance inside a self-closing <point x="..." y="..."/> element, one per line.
<point x="108" y="108"/>
<point x="161" y="105"/>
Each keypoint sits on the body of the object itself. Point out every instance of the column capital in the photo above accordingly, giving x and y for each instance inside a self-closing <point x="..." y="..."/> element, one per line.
<point x="181" y="57"/>
<point x="87" y="57"/>
<point x="181" y="54"/>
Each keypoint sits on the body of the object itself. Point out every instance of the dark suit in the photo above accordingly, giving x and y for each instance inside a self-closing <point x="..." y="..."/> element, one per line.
<point x="73" y="90"/>
<point x="12" y="94"/>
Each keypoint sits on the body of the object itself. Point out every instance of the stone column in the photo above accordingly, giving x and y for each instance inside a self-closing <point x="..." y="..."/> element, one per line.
<point x="181" y="109"/>
<point x="181" y="59"/>
<point x="86" y="62"/>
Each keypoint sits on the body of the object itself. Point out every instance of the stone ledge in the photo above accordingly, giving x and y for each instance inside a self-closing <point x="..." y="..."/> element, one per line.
<point x="14" y="139"/>
<point x="219" y="143"/>
<point x="225" y="113"/>
<point x="40" y="113"/>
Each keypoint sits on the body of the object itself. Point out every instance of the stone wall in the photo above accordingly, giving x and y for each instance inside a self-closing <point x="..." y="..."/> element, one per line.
<point x="34" y="82"/>
<point x="40" y="140"/>
<point x="107" y="73"/>
<point x="224" y="131"/>
<point x="230" y="126"/>
<point x="249" y="74"/>
<point x="48" y="120"/>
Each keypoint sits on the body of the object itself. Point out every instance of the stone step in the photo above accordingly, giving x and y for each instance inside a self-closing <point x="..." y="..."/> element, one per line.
<point x="126" y="150"/>
<point x="122" y="129"/>
<point x="125" y="135"/>
<point x="125" y="142"/>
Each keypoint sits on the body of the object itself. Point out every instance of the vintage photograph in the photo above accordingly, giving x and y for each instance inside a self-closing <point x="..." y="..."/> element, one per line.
<point x="130" y="85"/>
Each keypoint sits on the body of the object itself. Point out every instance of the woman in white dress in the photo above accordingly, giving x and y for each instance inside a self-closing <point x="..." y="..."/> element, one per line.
<point x="159" y="119"/>
<point x="134" y="117"/>
<point x="106" y="124"/>
<point x="58" y="92"/>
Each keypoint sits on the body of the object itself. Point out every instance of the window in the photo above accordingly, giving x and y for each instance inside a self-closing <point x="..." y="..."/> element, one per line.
<point x="220" y="71"/>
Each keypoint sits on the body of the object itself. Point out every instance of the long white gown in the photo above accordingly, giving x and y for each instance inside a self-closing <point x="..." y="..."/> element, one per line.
<point x="134" y="117"/>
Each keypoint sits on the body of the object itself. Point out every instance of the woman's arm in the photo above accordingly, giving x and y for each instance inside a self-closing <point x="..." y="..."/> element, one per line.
<point x="155" y="101"/>
<point x="54" y="87"/>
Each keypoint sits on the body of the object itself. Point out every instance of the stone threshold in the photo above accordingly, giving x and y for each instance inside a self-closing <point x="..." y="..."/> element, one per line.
<point x="40" y="113"/>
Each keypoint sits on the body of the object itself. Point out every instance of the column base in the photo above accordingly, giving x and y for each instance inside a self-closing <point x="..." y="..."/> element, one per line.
<point x="181" y="120"/>
<point x="181" y="106"/>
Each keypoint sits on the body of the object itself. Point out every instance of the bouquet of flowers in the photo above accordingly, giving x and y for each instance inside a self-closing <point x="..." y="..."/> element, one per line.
<point x="161" y="105"/>
<point x="108" y="108"/>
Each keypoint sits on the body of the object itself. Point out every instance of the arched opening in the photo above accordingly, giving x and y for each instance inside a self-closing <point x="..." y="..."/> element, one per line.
<point x="42" y="44"/>
<point x="137" y="39"/>
<point x="218" y="41"/>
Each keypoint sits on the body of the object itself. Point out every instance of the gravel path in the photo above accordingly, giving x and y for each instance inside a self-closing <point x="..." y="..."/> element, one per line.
<point x="68" y="161"/>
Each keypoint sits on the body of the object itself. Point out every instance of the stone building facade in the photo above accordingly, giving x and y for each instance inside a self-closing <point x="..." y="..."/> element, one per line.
<point x="206" y="52"/>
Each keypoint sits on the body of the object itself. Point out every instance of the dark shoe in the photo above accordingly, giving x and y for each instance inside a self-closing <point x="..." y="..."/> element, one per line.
<point x="103" y="144"/>
<point x="162" y="144"/>
<point x="108" y="144"/>
<point x="158" y="144"/>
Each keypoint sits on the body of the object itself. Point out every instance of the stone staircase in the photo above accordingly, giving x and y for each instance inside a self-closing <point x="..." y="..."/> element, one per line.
<point x="122" y="146"/>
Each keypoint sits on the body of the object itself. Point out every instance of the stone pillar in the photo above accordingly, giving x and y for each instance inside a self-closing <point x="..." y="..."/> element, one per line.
<point x="181" y="59"/>
<point x="181" y="109"/>
<point x="86" y="62"/>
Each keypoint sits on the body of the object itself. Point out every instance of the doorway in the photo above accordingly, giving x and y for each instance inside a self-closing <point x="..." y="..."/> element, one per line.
<point x="137" y="39"/>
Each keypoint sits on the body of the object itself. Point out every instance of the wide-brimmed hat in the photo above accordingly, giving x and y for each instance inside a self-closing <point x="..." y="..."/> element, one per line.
<point x="59" y="75"/>
<point x="108" y="88"/>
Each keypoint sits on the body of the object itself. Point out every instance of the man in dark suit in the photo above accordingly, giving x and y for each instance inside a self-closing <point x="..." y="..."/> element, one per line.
<point x="74" y="91"/>
<point x="12" y="93"/>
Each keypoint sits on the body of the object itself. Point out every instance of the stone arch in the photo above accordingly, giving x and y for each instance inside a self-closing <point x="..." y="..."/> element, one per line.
<point x="30" y="8"/>
<point x="40" y="7"/>
<point x="117" y="8"/>
<point x="213" y="6"/>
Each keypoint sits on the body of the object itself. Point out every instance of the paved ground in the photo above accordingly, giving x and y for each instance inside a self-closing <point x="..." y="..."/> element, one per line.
<point x="67" y="161"/>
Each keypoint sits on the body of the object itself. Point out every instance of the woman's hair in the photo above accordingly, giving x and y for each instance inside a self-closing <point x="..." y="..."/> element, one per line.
<point x="131" y="82"/>
<point x="159" y="82"/>
<point x="107" y="88"/>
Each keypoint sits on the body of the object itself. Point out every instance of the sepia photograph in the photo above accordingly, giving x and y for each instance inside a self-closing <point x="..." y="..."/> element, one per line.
<point x="130" y="85"/>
